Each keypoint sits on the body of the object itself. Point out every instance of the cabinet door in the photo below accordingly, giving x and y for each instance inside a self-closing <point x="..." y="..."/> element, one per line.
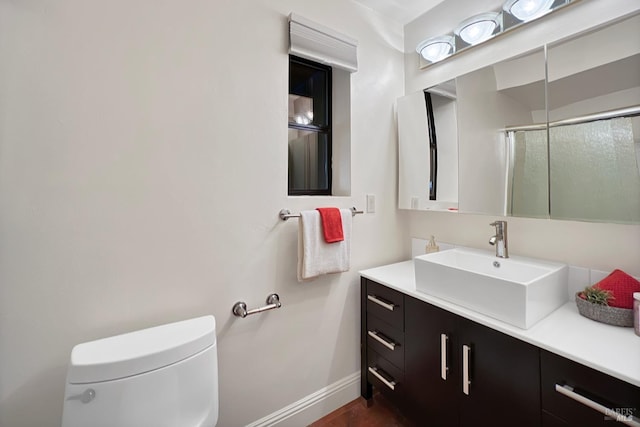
<point x="504" y="378"/>
<point x="430" y="399"/>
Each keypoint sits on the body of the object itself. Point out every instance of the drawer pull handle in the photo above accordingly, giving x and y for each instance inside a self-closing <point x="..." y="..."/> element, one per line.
<point x="444" y="369"/>
<point x="382" y="340"/>
<point x="568" y="391"/>
<point x="389" y="306"/>
<point x="390" y="384"/>
<point x="466" y="355"/>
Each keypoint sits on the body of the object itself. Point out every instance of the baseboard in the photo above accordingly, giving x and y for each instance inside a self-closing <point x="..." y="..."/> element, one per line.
<point x="314" y="406"/>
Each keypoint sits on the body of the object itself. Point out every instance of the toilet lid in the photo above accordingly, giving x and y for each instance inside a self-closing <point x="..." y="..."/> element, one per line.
<point x="140" y="351"/>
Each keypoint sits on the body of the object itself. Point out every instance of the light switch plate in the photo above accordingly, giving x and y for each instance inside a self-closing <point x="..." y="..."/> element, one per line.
<point x="371" y="203"/>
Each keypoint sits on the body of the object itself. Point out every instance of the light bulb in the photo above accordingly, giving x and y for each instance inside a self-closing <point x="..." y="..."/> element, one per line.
<point x="526" y="10"/>
<point x="477" y="28"/>
<point x="436" y="49"/>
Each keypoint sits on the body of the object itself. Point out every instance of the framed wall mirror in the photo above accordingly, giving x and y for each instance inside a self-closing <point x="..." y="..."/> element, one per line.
<point x="553" y="133"/>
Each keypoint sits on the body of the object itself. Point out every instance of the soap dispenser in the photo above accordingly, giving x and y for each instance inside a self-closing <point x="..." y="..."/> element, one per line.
<point x="432" y="246"/>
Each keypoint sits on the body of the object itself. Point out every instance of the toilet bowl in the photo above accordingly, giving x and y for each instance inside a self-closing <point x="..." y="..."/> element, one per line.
<point x="165" y="376"/>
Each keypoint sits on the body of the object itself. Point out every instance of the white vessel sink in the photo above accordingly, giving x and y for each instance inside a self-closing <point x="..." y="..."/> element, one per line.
<point x="517" y="290"/>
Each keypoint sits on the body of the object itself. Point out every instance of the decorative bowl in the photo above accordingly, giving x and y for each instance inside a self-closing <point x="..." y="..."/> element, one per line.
<point x="605" y="314"/>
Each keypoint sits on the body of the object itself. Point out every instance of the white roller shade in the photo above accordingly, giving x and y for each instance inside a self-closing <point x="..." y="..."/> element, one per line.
<point x="321" y="44"/>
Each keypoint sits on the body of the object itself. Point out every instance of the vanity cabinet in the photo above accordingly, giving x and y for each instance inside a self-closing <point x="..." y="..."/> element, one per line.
<point x="443" y="370"/>
<point x="576" y="395"/>
<point x="460" y="373"/>
<point x="421" y="356"/>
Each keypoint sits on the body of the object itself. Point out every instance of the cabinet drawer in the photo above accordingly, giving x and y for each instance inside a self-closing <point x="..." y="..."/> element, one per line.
<point x="385" y="303"/>
<point x="386" y="340"/>
<point x="572" y="392"/>
<point x="383" y="374"/>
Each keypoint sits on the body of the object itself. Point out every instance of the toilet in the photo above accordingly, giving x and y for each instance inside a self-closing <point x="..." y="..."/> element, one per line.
<point x="165" y="376"/>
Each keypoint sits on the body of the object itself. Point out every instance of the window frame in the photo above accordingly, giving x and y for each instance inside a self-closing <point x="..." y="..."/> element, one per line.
<point x="320" y="130"/>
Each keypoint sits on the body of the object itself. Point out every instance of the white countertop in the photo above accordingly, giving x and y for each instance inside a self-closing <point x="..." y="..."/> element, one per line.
<point x="613" y="350"/>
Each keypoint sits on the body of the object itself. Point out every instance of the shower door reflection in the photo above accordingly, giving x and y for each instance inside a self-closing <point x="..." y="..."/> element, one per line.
<point x="590" y="170"/>
<point x="529" y="181"/>
<point x="594" y="170"/>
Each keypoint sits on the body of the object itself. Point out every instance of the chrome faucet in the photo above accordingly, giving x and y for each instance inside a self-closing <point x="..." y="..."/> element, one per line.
<point x="500" y="239"/>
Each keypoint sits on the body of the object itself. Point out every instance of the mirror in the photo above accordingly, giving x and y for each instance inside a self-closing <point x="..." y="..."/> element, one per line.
<point x="594" y="125"/>
<point x="491" y="99"/>
<point x="428" y="145"/>
<point x="589" y="169"/>
<point x="472" y="150"/>
<point x="580" y="163"/>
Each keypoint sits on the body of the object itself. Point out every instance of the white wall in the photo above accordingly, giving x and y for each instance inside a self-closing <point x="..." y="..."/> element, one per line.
<point x="599" y="246"/>
<point x="143" y="162"/>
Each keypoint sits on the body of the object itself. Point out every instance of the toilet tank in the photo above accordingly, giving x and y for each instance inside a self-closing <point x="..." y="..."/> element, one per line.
<point x="165" y="376"/>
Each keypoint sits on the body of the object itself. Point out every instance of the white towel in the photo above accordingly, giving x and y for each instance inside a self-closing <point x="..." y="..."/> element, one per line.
<point x="317" y="257"/>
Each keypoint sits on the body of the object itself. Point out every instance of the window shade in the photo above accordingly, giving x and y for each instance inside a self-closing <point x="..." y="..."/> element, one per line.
<point x="318" y="43"/>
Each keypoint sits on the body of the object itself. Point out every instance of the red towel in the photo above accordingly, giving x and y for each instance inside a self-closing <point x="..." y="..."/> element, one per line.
<point x="331" y="219"/>
<point x="622" y="286"/>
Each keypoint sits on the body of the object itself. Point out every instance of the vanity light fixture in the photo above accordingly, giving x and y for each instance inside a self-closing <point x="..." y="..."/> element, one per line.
<point x="527" y="10"/>
<point x="437" y="48"/>
<point x="478" y="28"/>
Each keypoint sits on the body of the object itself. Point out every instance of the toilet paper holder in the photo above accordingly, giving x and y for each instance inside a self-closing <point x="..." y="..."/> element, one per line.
<point x="240" y="308"/>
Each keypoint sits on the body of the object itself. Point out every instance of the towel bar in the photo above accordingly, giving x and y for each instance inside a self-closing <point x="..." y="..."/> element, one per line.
<point x="285" y="214"/>
<point x="240" y="308"/>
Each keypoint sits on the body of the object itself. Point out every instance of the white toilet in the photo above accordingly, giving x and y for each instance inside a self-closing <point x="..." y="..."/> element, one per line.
<point x="166" y="376"/>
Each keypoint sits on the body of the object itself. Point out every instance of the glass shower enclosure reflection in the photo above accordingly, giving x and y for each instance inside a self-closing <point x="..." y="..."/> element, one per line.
<point x="594" y="170"/>
<point x="589" y="171"/>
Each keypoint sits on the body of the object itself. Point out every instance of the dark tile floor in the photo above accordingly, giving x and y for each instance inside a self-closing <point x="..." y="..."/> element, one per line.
<point x="357" y="414"/>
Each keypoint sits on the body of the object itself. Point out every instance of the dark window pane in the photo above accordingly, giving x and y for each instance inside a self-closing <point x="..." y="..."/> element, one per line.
<point x="308" y="162"/>
<point x="311" y="82"/>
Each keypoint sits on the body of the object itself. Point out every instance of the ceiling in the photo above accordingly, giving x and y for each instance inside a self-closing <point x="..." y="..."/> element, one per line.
<point x="402" y="11"/>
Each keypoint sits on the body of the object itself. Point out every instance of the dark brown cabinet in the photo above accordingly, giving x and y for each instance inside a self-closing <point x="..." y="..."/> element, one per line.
<point x="504" y="387"/>
<point x="382" y="341"/>
<point x="433" y="364"/>
<point x="460" y="373"/>
<point x="443" y="370"/>
<point x="576" y="395"/>
<point x="421" y="357"/>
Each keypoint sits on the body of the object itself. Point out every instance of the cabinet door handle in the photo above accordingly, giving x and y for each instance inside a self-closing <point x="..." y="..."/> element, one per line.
<point x="382" y="340"/>
<point x="391" y="384"/>
<point x="568" y="391"/>
<point x="389" y="306"/>
<point x="466" y="355"/>
<point x="444" y="368"/>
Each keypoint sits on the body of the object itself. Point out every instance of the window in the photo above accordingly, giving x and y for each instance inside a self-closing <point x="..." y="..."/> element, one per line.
<point x="309" y="127"/>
